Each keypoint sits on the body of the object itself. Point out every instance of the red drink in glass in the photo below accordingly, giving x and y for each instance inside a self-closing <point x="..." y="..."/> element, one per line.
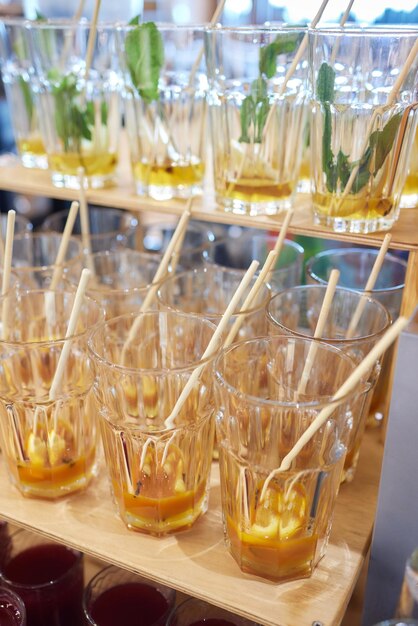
<point x="49" y="579"/>
<point x="12" y="609"/>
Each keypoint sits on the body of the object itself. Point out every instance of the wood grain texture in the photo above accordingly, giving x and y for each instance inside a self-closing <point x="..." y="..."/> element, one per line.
<point x="196" y="562"/>
<point x="14" y="177"/>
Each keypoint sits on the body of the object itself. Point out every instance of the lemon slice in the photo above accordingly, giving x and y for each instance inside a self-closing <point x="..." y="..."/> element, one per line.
<point x="36" y="451"/>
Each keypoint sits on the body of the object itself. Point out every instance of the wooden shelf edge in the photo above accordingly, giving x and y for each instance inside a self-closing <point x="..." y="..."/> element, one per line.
<point x="197" y="563"/>
<point x="16" y="178"/>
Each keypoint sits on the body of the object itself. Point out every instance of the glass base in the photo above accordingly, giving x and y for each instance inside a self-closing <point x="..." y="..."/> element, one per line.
<point x="239" y="207"/>
<point x="346" y="225"/>
<point x="59" y="491"/>
<point x="167" y="192"/>
<point x="72" y="182"/>
<point x="32" y="161"/>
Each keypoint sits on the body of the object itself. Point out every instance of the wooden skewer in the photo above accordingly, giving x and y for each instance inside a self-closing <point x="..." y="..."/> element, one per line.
<point x="68" y="229"/>
<point x="176" y="252"/>
<point x="1" y="247"/>
<point x="160" y="273"/>
<point x="7" y="266"/>
<point x="216" y="15"/>
<point x="71" y="328"/>
<point x="213" y="344"/>
<point x="280" y="239"/>
<point x="369" y="286"/>
<point x="261" y="280"/>
<point x="92" y="38"/>
<point x="354" y="379"/>
<point x="343" y="20"/>
<point x="84" y="221"/>
<point x="319" y="330"/>
<point x="78" y="14"/>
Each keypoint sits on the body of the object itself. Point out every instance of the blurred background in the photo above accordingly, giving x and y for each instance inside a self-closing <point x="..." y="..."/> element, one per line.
<point x="236" y="12"/>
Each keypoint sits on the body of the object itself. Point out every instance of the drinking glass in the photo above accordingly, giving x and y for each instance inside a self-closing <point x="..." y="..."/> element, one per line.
<point x="17" y="74"/>
<point x="207" y="292"/>
<point x="49" y="444"/>
<point x="194" y="612"/>
<point x="362" y="125"/>
<point x="12" y="609"/>
<point x="159" y="472"/>
<point x="277" y="526"/>
<point x="34" y="258"/>
<point x="296" y="311"/>
<point x="109" y="228"/>
<point x="241" y="246"/>
<point x="121" y="280"/>
<point x="166" y="117"/>
<point x="79" y="107"/>
<point x="257" y="116"/>
<point x="155" y="234"/>
<point x="355" y="266"/>
<point x="409" y="198"/>
<point x="22" y="225"/>
<point x="408" y="599"/>
<point x="116" y="596"/>
<point x="48" y="576"/>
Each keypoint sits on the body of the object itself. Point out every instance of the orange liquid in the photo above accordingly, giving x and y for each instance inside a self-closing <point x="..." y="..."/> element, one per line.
<point x="277" y="559"/>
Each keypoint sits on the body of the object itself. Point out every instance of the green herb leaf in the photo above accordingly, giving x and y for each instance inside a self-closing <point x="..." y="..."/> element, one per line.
<point x="144" y="51"/>
<point x="27" y="97"/>
<point x="382" y="140"/>
<point x="39" y="17"/>
<point x="135" y="21"/>
<point x="283" y="44"/>
<point x="247" y="117"/>
<point x="104" y="112"/>
<point x="325" y="83"/>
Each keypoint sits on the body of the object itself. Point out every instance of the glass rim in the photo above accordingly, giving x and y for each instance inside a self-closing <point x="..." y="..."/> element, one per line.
<point x="50" y="342"/>
<point x="103" y="288"/>
<point x="160" y="371"/>
<point x="255" y="400"/>
<point x="257" y="28"/>
<point x="165" y="27"/>
<point x="382" y="30"/>
<point x="63" y="213"/>
<point x="204" y="270"/>
<point x="11" y="596"/>
<point x="343" y="251"/>
<point x="61" y="23"/>
<point x="110" y="569"/>
<point x="30" y="235"/>
<point x="50" y="583"/>
<point x="340" y="341"/>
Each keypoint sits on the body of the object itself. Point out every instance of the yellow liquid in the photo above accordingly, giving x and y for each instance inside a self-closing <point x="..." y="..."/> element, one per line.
<point x="95" y="164"/>
<point x="170" y="175"/>
<point x="257" y="189"/>
<point x="31" y="145"/>
<point x="411" y="185"/>
<point x="353" y="207"/>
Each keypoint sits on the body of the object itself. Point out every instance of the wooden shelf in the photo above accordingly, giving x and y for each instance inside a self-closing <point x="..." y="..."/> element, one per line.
<point x="14" y="177"/>
<point x="196" y="562"/>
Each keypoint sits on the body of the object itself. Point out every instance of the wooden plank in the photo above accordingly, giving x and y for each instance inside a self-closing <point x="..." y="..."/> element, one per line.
<point x="196" y="562"/>
<point x="13" y="177"/>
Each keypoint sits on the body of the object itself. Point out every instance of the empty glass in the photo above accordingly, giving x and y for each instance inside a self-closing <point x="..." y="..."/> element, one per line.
<point x="109" y="228"/>
<point x="194" y="612"/>
<point x="242" y="245"/>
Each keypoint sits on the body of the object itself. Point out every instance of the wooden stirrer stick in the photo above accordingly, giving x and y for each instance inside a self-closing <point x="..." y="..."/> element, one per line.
<point x="280" y="239"/>
<point x="68" y="229"/>
<point x="213" y="344"/>
<point x="7" y="266"/>
<point x="84" y="220"/>
<point x="354" y="379"/>
<point x="319" y="330"/>
<point x="92" y="38"/>
<point x="176" y="252"/>
<point x="159" y="274"/>
<point x="71" y="328"/>
<point x="261" y="280"/>
<point x="216" y="15"/>
<point x="369" y="286"/>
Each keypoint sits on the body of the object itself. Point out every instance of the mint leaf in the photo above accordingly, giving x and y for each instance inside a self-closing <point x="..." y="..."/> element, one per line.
<point x="382" y="140"/>
<point x="247" y="117"/>
<point x="254" y="112"/>
<point x="27" y="97"/>
<point x="283" y="44"/>
<point x="104" y="112"/>
<point x="144" y="51"/>
<point x="135" y="21"/>
<point x="325" y="83"/>
<point x="39" y="17"/>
